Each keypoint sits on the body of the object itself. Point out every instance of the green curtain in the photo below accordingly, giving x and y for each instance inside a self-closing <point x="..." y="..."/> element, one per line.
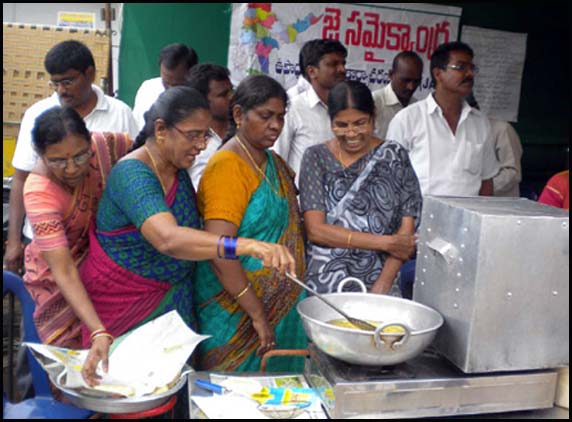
<point x="148" y="27"/>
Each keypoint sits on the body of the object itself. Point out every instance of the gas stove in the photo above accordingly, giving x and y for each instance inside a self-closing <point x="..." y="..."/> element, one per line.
<point x="425" y="386"/>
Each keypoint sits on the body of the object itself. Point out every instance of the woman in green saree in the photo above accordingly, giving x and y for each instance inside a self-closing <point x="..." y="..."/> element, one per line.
<point x="246" y="190"/>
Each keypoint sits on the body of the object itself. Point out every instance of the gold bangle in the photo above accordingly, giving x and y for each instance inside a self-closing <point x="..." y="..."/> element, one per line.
<point x="243" y="291"/>
<point x="349" y="240"/>
<point x="103" y="334"/>
<point x="99" y="330"/>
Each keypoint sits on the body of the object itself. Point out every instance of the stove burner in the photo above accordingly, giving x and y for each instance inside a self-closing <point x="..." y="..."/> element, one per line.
<point x="352" y="372"/>
<point x="355" y="373"/>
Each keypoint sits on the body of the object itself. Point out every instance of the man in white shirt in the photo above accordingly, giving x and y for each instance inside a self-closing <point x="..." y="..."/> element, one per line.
<point x="322" y="63"/>
<point x="405" y="76"/>
<point x="72" y="71"/>
<point x="508" y="151"/>
<point x="175" y="61"/>
<point x="213" y="81"/>
<point x="449" y="142"/>
<point x="302" y="85"/>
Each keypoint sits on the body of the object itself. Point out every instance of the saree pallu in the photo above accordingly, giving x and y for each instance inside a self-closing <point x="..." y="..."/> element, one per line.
<point x="128" y="281"/>
<point x="234" y="341"/>
<point x="61" y="219"/>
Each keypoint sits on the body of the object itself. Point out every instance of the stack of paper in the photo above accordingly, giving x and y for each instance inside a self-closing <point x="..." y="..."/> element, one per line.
<point x="147" y="361"/>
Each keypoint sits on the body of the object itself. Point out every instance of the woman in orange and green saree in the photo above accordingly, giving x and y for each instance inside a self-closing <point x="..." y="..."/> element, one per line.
<point x="249" y="191"/>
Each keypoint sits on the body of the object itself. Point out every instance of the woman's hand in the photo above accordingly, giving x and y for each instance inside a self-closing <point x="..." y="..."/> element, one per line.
<point x="99" y="351"/>
<point x="265" y="334"/>
<point x="272" y="255"/>
<point x="401" y="246"/>
<point x="14" y="257"/>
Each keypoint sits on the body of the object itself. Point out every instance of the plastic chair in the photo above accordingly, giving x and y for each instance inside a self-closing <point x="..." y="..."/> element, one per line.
<point x="43" y="404"/>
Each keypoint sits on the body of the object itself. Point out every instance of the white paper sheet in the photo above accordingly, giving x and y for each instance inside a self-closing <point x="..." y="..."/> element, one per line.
<point x="500" y="56"/>
<point x="149" y="358"/>
<point x="238" y="405"/>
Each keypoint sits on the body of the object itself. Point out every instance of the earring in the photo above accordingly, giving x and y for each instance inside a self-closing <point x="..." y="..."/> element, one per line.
<point x="160" y="139"/>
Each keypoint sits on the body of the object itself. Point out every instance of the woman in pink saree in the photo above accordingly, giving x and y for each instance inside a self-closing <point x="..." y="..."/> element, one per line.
<point x="61" y="196"/>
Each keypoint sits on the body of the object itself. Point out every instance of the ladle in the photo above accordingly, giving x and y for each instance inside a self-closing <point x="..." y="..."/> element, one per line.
<point x="359" y="323"/>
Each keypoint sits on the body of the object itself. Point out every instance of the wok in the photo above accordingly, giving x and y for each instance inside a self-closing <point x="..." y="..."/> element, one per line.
<point x="419" y="324"/>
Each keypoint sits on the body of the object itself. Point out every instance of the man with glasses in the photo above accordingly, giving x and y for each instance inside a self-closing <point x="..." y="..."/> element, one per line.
<point x="71" y="67"/>
<point x="213" y="81"/>
<point x="449" y="143"/>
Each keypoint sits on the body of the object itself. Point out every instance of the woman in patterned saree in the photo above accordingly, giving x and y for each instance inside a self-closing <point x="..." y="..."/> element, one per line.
<point x="247" y="190"/>
<point x="61" y="196"/>
<point x="360" y="199"/>
<point x="147" y="234"/>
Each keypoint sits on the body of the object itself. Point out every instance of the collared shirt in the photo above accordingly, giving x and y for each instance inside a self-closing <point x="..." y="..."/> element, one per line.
<point x="201" y="160"/>
<point x="307" y="123"/>
<point x="146" y="95"/>
<point x="387" y="105"/>
<point x="302" y="85"/>
<point x="108" y="115"/>
<point x="508" y="151"/>
<point x="446" y="163"/>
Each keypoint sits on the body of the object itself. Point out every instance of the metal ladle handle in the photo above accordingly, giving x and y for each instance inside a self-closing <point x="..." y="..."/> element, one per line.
<point x="319" y="296"/>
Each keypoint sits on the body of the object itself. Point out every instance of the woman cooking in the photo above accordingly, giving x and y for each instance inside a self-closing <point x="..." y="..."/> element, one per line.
<point x="140" y="263"/>
<point x="360" y="199"/>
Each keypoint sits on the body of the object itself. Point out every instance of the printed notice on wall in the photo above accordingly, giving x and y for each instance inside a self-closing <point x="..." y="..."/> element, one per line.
<point x="500" y="57"/>
<point x="76" y="20"/>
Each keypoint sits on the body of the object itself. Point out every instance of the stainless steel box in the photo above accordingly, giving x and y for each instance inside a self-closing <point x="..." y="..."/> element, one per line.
<point x="497" y="269"/>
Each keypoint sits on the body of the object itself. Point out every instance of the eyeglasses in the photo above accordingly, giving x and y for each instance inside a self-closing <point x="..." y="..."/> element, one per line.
<point x="62" y="163"/>
<point x="464" y="67"/>
<point x="66" y="83"/>
<point x="195" y="135"/>
<point x="356" y="128"/>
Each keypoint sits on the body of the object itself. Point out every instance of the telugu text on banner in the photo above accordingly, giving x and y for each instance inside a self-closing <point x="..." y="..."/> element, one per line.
<point x="267" y="37"/>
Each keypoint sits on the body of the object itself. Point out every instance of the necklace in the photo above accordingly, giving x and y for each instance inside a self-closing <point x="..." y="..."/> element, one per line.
<point x="155" y="167"/>
<point x="340" y="155"/>
<point x="274" y="189"/>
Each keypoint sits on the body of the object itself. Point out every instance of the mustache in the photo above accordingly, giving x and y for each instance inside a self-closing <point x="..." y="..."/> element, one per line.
<point x="469" y="79"/>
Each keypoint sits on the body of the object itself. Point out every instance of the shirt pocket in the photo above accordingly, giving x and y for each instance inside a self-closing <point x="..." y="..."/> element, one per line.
<point x="473" y="157"/>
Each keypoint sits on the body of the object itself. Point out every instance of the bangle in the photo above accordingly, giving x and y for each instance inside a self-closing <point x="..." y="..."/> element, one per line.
<point x="349" y="240"/>
<point x="230" y="247"/>
<point x="218" y="245"/>
<point x="243" y="291"/>
<point x="103" y="334"/>
<point x="99" y="330"/>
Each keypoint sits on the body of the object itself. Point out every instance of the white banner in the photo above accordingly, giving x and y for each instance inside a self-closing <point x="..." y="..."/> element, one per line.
<point x="267" y="37"/>
<point x="497" y="86"/>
